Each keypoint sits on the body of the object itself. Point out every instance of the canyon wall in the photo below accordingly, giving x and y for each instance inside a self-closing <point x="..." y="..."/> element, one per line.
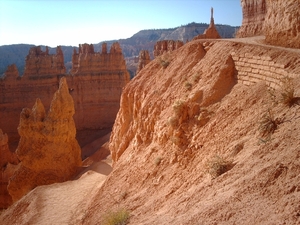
<point x="254" y="12"/>
<point x="282" y="23"/>
<point x="48" y="150"/>
<point x="95" y="83"/>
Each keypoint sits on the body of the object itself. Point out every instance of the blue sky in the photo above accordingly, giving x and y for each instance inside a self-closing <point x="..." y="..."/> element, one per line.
<point x="72" y="22"/>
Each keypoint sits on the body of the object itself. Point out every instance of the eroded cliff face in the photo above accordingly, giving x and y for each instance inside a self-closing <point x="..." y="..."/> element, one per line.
<point x="48" y="150"/>
<point x="173" y="121"/>
<point x="95" y="84"/>
<point x="278" y="21"/>
<point x="8" y="160"/>
<point x="254" y="12"/>
<point x="282" y="23"/>
<point x="214" y="82"/>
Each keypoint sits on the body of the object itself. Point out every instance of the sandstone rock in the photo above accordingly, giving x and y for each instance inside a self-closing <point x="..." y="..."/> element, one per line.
<point x="211" y="32"/>
<point x="95" y="84"/>
<point x="254" y="12"/>
<point x="39" y="63"/>
<point x="12" y="72"/>
<point x="6" y="160"/>
<point x="48" y="150"/>
<point x="166" y="46"/>
<point x="282" y="23"/>
<point x="89" y="61"/>
<point x="144" y="59"/>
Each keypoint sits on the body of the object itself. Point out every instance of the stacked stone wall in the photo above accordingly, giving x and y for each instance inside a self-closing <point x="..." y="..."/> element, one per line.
<point x="254" y="68"/>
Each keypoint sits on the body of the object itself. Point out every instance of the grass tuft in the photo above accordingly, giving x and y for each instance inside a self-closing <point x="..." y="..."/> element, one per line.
<point x="268" y="124"/>
<point x="288" y="97"/>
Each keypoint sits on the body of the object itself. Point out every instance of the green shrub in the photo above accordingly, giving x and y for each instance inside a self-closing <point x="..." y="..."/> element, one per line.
<point x="119" y="217"/>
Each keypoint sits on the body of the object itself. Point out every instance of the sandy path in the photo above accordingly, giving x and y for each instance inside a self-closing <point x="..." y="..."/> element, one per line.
<point x="60" y="203"/>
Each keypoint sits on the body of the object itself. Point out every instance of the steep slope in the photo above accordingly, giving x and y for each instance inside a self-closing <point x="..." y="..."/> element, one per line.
<point x="174" y="122"/>
<point x="188" y="145"/>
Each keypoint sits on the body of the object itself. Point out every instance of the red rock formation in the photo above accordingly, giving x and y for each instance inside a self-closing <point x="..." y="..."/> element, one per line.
<point x="48" y="150"/>
<point x="282" y="23"/>
<point x="166" y="46"/>
<point x="39" y="63"/>
<point x="95" y="84"/>
<point x="89" y="61"/>
<point x="11" y="72"/>
<point x="254" y="12"/>
<point x="211" y="32"/>
<point x="6" y="160"/>
<point x="277" y="20"/>
<point x="144" y="59"/>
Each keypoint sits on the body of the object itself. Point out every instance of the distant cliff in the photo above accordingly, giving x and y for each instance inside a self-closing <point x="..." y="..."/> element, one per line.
<point x="143" y="40"/>
<point x="146" y="39"/>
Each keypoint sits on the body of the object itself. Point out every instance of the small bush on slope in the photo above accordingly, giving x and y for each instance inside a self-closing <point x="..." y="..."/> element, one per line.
<point x="217" y="166"/>
<point x="288" y="97"/>
<point x="119" y="217"/>
<point x="268" y="124"/>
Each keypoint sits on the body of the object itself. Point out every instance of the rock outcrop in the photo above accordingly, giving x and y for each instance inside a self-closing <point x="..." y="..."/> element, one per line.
<point x="161" y="47"/>
<point x="41" y="63"/>
<point x="254" y="12"/>
<point x="211" y="32"/>
<point x="282" y="23"/>
<point x="89" y="61"/>
<point x="12" y="72"/>
<point x="48" y="150"/>
<point x="95" y="84"/>
<point x="7" y="162"/>
<point x="278" y="21"/>
<point x="144" y="59"/>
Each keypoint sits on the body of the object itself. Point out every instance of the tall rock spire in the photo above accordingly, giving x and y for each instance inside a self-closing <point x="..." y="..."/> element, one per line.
<point x="212" y="21"/>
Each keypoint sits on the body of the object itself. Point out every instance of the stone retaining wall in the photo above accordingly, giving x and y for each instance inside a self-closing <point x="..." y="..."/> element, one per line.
<point x="254" y="68"/>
